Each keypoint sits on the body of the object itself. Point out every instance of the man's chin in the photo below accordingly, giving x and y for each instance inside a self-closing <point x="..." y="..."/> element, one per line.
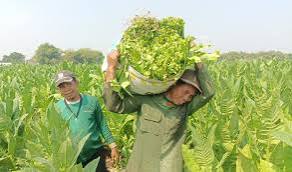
<point x="182" y="103"/>
<point x="179" y="103"/>
<point x="68" y="97"/>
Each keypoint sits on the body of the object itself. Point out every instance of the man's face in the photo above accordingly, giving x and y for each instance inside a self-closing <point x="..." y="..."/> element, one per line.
<point x="69" y="90"/>
<point x="183" y="93"/>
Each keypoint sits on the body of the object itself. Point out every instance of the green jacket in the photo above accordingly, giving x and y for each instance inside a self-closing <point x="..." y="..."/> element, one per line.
<point x="160" y="128"/>
<point x="89" y="121"/>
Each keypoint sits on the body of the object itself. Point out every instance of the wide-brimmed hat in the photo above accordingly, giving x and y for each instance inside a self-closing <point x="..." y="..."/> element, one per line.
<point x="189" y="76"/>
<point x="64" y="76"/>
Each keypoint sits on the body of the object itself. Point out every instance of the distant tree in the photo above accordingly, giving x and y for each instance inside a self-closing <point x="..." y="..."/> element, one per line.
<point x="83" y="55"/>
<point x="47" y="54"/>
<point x="14" y="57"/>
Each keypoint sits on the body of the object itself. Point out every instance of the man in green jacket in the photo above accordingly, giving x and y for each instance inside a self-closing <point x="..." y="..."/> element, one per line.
<point x="84" y="116"/>
<point x="161" y="121"/>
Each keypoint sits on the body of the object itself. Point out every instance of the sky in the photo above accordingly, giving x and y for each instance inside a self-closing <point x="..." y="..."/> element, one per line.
<point x="229" y="25"/>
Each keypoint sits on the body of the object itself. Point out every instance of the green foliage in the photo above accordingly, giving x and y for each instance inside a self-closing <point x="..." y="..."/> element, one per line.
<point x="33" y="137"/>
<point x="253" y="116"/>
<point x="245" y="127"/>
<point x="14" y="57"/>
<point x="91" y="166"/>
<point x="47" y="53"/>
<point x="267" y="55"/>
<point x="158" y="49"/>
<point x="49" y="147"/>
<point x="83" y="55"/>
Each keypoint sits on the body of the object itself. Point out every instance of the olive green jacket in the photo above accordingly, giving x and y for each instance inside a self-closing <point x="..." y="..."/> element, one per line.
<point x="160" y="128"/>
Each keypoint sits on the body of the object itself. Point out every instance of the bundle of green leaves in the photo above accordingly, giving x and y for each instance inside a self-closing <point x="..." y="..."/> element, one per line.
<point x="158" y="49"/>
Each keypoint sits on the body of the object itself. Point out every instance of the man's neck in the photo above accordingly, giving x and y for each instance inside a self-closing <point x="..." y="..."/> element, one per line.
<point x="74" y="99"/>
<point x="168" y="97"/>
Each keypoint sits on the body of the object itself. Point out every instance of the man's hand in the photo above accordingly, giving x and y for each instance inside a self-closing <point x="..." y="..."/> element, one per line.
<point x="112" y="60"/>
<point x="115" y="156"/>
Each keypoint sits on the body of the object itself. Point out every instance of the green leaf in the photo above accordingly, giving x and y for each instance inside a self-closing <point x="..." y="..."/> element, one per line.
<point x="266" y="166"/>
<point x="244" y="164"/>
<point x="91" y="167"/>
<point x="284" y="136"/>
<point x="125" y="84"/>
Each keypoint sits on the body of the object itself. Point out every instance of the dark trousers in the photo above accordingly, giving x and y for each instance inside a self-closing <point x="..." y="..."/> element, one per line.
<point x="102" y="152"/>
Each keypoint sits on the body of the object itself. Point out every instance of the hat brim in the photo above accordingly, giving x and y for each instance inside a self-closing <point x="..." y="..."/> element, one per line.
<point x="192" y="83"/>
<point x="65" y="79"/>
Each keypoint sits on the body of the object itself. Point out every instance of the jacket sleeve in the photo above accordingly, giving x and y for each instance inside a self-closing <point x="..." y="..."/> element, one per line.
<point x="115" y="103"/>
<point x="207" y="91"/>
<point x="103" y="126"/>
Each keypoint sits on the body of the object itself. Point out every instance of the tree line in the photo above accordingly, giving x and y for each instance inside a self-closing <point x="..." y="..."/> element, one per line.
<point x="233" y="55"/>
<point x="49" y="54"/>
